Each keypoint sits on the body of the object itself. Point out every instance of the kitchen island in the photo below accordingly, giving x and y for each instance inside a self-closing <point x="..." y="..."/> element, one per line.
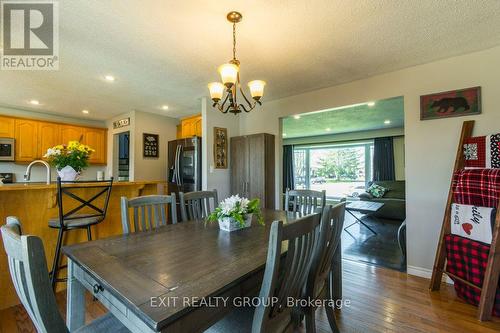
<point x="35" y="203"/>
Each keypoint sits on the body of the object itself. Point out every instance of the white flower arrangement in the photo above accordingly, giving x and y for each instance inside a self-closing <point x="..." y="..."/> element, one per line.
<point x="238" y="209"/>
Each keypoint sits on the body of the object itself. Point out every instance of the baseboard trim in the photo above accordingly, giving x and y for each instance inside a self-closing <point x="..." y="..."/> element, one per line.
<point x="425" y="273"/>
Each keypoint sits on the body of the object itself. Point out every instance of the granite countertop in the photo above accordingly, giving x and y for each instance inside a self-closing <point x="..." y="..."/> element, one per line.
<point x="53" y="185"/>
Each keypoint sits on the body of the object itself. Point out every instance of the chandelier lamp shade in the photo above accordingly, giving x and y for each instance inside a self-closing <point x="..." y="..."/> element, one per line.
<point x="225" y="95"/>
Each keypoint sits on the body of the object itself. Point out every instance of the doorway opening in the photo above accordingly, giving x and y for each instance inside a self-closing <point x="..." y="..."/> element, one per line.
<point x="344" y="151"/>
<point x="122" y="156"/>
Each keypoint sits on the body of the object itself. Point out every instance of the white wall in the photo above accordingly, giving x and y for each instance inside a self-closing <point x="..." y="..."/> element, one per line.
<point x="215" y="178"/>
<point x="38" y="172"/>
<point x="430" y="146"/>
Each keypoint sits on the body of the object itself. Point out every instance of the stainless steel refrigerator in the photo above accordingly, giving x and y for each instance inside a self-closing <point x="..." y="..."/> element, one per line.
<point x="184" y="165"/>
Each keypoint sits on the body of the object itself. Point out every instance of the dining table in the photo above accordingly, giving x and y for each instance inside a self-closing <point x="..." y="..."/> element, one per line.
<point x="181" y="277"/>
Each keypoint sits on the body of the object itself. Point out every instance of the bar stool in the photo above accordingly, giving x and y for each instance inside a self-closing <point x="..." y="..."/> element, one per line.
<point x="74" y="218"/>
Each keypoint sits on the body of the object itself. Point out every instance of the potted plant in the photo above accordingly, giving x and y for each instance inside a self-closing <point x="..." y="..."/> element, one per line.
<point x="69" y="160"/>
<point x="236" y="213"/>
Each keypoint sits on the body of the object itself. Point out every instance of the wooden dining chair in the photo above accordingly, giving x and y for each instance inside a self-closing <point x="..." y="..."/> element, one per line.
<point x="318" y="282"/>
<point x="149" y="212"/>
<point x="28" y="269"/>
<point x="284" y="279"/>
<point x="305" y="201"/>
<point x="196" y="205"/>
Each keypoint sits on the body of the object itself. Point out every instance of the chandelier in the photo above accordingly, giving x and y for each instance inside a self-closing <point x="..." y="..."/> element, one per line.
<point x="231" y="82"/>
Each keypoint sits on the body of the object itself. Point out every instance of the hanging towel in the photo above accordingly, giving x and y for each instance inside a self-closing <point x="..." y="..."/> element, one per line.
<point x="482" y="152"/>
<point x="473" y="222"/>
<point x="478" y="187"/>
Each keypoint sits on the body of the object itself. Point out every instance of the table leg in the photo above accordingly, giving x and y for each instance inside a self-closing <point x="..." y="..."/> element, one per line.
<point x="358" y="221"/>
<point x="75" y="310"/>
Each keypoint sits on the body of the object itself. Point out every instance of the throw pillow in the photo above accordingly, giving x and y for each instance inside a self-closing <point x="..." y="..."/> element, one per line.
<point x="377" y="191"/>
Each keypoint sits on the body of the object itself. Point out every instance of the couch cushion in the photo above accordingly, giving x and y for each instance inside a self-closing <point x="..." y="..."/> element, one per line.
<point x="396" y="188"/>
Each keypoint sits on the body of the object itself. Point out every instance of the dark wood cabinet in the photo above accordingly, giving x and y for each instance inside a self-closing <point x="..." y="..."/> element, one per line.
<point x="252" y="168"/>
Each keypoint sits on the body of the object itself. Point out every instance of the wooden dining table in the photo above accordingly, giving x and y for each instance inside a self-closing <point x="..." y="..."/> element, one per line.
<point x="182" y="277"/>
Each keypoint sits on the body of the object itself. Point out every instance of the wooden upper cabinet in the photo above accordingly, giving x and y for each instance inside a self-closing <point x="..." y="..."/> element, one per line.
<point x="95" y="138"/>
<point x="26" y="135"/>
<point x="7" y="127"/>
<point x="71" y="133"/>
<point x="49" y="136"/>
<point x="189" y="127"/>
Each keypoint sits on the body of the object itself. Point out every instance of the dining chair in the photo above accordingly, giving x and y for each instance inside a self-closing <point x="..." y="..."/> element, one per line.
<point x="28" y="270"/>
<point x="89" y="210"/>
<point x="196" y="205"/>
<point x="318" y="285"/>
<point x="304" y="201"/>
<point x="149" y="212"/>
<point x="284" y="279"/>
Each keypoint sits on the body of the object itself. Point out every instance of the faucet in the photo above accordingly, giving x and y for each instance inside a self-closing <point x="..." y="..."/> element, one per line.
<point x="28" y="170"/>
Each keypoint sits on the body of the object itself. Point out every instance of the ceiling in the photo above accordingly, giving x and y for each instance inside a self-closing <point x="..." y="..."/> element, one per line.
<point x="165" y="52"/>
<point x="354" y="118"/>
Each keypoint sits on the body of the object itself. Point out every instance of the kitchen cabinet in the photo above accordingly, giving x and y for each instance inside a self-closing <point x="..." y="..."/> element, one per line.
<point x="34" y="137"/>
<point x="71" y="133"/>
<point x="26" y="135"/>
<point x="95" y="138"/>
<point x="189" y="127"/>
<point x="49" y="136"/>
<point x="7" y="127"/>
<point x="252" y="167"/>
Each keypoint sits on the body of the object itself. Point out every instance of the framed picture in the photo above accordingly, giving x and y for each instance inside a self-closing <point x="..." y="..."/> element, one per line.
<point x="455" y="103"/>
<point x="150" y="144"/>
<point x="220" y="147"/>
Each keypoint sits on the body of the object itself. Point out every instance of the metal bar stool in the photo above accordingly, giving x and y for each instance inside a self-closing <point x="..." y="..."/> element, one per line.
<point x="75" y="218"/>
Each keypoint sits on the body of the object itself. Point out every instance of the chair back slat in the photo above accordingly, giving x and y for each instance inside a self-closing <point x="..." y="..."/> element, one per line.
<point x="149" y="212"/>
<point x="196" y="205"/>
<point x="332" y="221"/>
<point x="305" y="201"/>
<point x="285" y="277"/>
<point x="28" y="269"/>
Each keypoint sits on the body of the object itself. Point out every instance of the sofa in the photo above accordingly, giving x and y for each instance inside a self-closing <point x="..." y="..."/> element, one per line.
<point x="394" y="200"/>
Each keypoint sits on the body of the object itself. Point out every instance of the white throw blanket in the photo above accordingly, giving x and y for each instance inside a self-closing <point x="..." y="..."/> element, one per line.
<point x="472" y="222"/>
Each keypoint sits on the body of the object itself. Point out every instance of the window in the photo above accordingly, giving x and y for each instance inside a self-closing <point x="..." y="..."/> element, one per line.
<point x="343" y="170"/>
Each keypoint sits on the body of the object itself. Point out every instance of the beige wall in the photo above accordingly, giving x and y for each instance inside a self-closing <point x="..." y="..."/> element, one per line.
<point x="147" y="168"/>
<point x="399" y="157"/>
<point x="430" y="146"/>
<point x="215" y="178"/>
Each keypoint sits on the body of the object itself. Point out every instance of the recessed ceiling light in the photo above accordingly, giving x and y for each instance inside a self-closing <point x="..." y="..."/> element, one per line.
<point x="387" y="122"/>
<point x="34" y="102"/>
<point x="370" y="104"/>
<point x="109" y="78"/>
<point x="328" y="129"/>
<point x="297" y="117"/>
<point x="164" y="107"/>
<point x="85" y="111"/>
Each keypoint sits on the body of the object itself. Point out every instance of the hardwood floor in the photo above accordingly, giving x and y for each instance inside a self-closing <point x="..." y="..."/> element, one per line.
<point x="382" y="300"/>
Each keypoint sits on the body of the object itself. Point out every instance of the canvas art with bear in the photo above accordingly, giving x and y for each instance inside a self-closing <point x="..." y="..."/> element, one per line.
<point x="463" y="102"/>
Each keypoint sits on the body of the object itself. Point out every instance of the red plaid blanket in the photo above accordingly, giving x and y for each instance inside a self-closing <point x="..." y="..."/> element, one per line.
<point x="467" y="259"/>
<point x="478" y="187"/>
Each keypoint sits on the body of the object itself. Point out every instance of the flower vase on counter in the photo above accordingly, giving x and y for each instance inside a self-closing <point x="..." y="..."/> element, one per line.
<point x="69" y="160"/>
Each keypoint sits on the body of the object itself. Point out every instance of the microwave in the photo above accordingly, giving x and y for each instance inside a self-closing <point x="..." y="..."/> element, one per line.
<point x="7" y="149"/>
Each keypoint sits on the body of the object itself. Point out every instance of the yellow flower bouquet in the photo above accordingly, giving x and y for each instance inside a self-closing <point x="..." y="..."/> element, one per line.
<point x="74" y="155"/>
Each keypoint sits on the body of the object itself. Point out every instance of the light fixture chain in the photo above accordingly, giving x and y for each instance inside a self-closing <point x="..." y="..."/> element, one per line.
<point x="234" y="41"/>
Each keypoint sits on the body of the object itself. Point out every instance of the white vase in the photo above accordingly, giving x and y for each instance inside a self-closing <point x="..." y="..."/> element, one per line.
<point x="68" y="174"/>
<point x="230" y="224"/>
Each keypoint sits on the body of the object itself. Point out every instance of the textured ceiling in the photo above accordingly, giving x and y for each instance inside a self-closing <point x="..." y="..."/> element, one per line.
<point x="165" y="52"/>
<point x="360" y="117"/>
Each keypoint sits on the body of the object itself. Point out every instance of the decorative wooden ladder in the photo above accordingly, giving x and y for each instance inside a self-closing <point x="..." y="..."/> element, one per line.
<point x="490" y="283"/>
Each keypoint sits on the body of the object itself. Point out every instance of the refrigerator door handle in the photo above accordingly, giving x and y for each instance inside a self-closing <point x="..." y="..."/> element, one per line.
<point x="177" y="165"/>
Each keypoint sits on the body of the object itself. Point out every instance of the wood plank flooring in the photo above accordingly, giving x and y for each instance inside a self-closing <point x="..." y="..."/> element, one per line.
<point x="382" y="300"/>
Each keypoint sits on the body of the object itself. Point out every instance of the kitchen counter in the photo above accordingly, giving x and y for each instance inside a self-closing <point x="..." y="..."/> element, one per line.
<point x="35" y="203"/>
<point x="43" y="186"/>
